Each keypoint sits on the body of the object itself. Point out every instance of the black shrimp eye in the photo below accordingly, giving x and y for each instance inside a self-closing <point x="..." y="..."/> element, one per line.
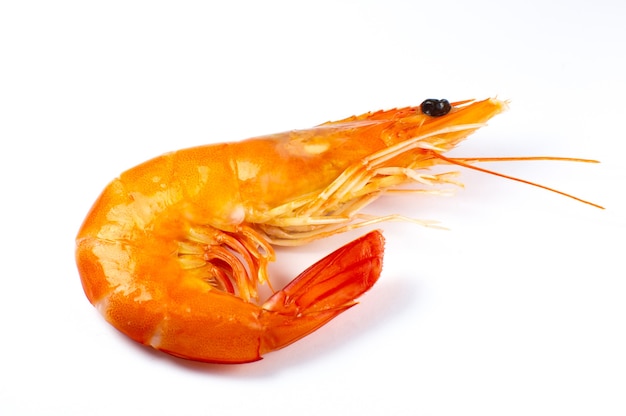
<point x="435" y="108"/>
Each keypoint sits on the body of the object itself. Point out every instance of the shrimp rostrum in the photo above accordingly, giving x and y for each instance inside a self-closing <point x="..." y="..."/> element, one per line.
<point x="173" y="251"/>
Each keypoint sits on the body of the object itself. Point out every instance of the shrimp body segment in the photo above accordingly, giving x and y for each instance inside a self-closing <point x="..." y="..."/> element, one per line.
<point x="172" y="252"/>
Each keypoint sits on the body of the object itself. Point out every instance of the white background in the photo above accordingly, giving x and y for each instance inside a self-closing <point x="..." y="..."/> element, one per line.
<point x="518" y="309"/>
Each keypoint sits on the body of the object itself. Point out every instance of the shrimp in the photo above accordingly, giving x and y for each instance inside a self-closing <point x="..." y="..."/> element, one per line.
<point x="173" y="251"/>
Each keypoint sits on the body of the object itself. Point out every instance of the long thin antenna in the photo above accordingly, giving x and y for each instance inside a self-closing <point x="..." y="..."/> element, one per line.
<point x="518" y="158"/>
<point x="464" y="162"/>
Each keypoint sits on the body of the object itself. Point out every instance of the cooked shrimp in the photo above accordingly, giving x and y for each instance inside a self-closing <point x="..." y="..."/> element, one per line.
<point x="173" y="250"/>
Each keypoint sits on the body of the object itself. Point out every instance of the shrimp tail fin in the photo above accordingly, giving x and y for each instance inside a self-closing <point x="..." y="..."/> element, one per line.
<point x="323" y="291"/>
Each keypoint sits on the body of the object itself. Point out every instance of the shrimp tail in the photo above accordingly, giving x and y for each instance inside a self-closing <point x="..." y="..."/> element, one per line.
<point x="323" y="291"/>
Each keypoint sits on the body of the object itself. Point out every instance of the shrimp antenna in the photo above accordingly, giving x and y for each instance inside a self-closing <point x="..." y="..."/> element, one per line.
<point x="465" y="162"/>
